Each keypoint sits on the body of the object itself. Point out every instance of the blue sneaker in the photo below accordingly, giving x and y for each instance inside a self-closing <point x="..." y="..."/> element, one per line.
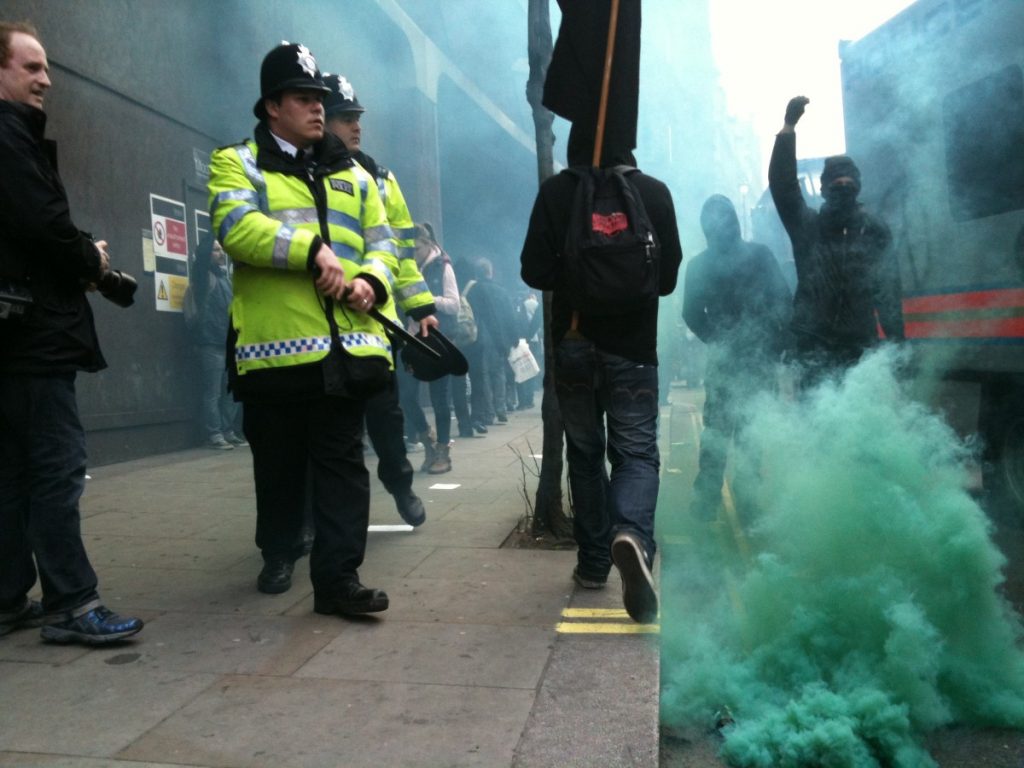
<point x="29" y="615"/>
<point x="96" y="627"/>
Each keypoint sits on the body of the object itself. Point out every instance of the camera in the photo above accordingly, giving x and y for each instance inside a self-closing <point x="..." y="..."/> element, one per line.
<point x="15" y="298"/>
<point x="118" y="287"/>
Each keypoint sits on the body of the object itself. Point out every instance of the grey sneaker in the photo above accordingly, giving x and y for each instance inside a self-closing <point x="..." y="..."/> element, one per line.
<point x="218" y="443"/>
<point x="638" y="593"/>
<point x="235" y="440"/>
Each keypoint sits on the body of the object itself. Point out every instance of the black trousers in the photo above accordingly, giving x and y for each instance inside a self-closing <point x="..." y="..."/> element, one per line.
<point x="324" y="435"/>
<point x="385" y="426"/>
<point x="42" y="476"/>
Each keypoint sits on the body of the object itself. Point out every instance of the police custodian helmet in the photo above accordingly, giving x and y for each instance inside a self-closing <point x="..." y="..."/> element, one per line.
<point x="426" y="367"/>
<point x="288" y="66"/>
<point x="342" y="97"/>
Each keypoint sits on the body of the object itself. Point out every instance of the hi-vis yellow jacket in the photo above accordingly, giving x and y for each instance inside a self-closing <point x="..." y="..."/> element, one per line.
<point x="271" y="213"/>
<point x="411" y="291"/>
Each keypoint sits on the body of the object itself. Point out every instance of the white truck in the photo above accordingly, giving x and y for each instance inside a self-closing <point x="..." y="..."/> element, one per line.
<point x="934" y="113"/>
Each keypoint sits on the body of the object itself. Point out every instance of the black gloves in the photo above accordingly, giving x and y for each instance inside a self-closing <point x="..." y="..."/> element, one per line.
<point x="795" y="109"/>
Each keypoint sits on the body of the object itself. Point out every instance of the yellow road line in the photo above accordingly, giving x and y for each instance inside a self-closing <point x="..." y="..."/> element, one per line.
<point x="608" y="628"/>
<point x="594" y="613"/>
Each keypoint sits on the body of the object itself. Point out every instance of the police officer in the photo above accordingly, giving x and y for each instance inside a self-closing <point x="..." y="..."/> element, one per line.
<point x="308" y="234"/>
<point x="384" y="420"/>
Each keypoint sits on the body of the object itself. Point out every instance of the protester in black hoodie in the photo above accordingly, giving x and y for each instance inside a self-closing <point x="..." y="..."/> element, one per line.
<point x="736" y="301"/>
<point x="606" y="377"/>
<point x="848" y="280"/>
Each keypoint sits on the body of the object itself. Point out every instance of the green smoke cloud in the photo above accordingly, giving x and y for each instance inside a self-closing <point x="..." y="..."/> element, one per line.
<point x="865" y="611"/>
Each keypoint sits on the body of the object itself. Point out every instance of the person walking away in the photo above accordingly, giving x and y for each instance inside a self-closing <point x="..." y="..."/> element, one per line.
<point x="207" y="310"/>
<point x="736" y="301"/>
<point x="384" y="417"/>
<point x="49" y="264"/>
<point x="496" y="336"/>
<point x="606" y="379"/>
<point x="848" y="279"/>
<point x="437" y="271"/>
<point x="313" y="254"/>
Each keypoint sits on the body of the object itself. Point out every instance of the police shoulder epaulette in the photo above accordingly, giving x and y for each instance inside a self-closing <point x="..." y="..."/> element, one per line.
<point x="382" y="172"/>
<point x="234" y="144"/>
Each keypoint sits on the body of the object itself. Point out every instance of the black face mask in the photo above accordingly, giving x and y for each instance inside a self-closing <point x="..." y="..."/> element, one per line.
<point x="841" y="196"/>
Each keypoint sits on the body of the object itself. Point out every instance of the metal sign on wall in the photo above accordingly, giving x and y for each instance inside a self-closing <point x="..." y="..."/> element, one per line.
<point x="170" y="252"/>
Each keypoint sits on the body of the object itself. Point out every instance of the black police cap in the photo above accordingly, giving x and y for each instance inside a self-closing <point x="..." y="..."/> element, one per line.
<point x="288" y="66"/>
<point x="342" y="97"/>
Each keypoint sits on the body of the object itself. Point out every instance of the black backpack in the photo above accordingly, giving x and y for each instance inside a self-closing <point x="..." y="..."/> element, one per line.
<point x="611" y="253"/>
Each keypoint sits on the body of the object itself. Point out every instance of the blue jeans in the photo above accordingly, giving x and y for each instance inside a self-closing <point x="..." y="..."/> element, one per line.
<point x="42" y="476"/>
<point x="219" y="411"/>
<point x="609" y="404"/>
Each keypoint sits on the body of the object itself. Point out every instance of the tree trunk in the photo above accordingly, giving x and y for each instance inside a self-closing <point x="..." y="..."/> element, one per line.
<point x="549" y="512"/>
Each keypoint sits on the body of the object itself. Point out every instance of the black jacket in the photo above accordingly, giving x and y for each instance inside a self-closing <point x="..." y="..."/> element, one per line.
<point x="632" y="336"/>
<point x="846" y="270"/>
<point x="737" y="299"/>
<point x="495" y="318"/>
<point x="40" y="246"/>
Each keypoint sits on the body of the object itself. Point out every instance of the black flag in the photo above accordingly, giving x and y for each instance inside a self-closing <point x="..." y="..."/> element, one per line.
<point x="572" y="88"/>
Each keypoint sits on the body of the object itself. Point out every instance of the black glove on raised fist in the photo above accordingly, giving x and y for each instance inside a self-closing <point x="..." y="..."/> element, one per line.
<point x="795" y="109"/>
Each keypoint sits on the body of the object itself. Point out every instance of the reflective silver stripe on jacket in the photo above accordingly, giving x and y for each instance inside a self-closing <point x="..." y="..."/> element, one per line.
<point x="270" y="349"/>
<point x="412" y="290"/>
<point x="254" y="174"/>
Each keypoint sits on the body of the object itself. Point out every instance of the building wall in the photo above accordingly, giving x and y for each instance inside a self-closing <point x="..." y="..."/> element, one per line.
<point x="145" y="89"/>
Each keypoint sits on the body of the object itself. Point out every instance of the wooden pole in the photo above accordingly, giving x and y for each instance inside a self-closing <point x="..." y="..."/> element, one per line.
<point x="602" y="110"/>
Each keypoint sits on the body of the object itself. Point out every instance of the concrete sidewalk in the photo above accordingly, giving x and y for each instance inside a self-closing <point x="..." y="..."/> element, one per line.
<point x="487" y="656"/>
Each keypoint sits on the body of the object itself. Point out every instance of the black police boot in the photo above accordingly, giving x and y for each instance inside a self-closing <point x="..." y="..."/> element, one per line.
<point x="276" y="576"/>
<point x="410" y="507"/>
<point x="352" y="598"/>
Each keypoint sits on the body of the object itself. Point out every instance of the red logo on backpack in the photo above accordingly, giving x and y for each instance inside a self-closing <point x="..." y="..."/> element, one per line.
<point x="609" y="225"/>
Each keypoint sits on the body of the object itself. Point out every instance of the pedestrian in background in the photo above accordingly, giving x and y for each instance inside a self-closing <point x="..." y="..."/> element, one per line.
<point x="439" y="275"/>
<point x="496" y="336"/>
<point x="207" y="311"/>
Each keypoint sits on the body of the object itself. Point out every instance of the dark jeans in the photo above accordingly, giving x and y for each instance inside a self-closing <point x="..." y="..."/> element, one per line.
<point x="218" y="409"/>
<point x="729" y="390"/>
<point x="487" y="374"/>
<point x="42" y="476"/>
<point x="324" y="435"/>
<point x="598" y="391"/>
<point x="409" y="398"/>
<point x="384" y="425"/>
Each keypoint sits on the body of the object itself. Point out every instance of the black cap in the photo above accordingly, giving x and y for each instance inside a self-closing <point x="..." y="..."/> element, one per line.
<point x="342" y="97"/>
<point x="838" y="166"/>
<point x="288" y="66"/>
<point x="429" y="368"/>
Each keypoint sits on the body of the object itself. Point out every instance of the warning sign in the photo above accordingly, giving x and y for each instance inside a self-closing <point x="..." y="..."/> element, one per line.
<point x="170" y="292"/>
<point x="170" y="252"/>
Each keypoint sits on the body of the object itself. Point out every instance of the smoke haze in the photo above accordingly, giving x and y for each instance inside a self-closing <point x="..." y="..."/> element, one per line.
<point x="866" y="610"/>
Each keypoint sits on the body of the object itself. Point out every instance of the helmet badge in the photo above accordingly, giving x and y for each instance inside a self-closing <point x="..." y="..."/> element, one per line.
<point x="306" y="60"/>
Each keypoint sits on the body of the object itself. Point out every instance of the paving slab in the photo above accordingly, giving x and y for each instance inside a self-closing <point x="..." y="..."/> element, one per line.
<point x="223" y="675"/>
<point x="262" y="722"/>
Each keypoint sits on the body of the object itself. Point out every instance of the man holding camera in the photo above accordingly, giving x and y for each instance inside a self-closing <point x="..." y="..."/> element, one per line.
<point x="47" y="335"/>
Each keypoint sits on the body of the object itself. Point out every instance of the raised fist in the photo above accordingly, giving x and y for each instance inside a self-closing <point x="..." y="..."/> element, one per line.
<point x="795" y="109"/>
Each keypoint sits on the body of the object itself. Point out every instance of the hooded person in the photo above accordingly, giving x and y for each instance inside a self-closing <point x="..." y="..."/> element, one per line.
<point x="848" y="280"/>
<point x="736" y="301"/>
